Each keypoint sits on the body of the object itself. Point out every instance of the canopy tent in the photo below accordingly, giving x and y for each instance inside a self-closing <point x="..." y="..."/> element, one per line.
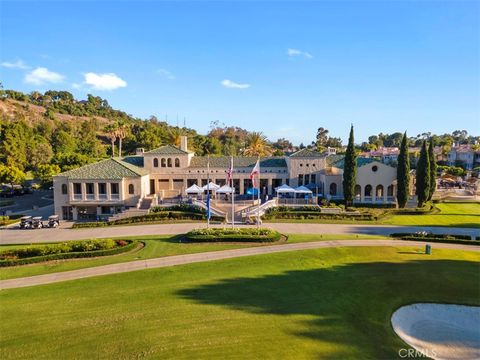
<point x="225" y="189"/>
<point x="194" y="189"/>
<point x="311" y="186"/>
<point x="302" y="190"/>
<point x="252" y="191"/>
<point x="284" y="189"/>
<point x="211" y="186"/>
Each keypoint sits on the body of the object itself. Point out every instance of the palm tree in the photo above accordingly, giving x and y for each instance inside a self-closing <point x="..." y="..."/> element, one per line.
<point x="257" y="145"/>
<point x="173" y="136"/>
<point x="123" y="129"/>
<point x="111" y="133"/>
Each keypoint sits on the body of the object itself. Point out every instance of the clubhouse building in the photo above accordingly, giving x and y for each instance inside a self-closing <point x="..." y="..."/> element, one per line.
<point x="140" y="181"/>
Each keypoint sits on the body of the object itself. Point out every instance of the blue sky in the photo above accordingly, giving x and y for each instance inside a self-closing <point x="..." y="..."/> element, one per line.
<point x="282" y="68"/>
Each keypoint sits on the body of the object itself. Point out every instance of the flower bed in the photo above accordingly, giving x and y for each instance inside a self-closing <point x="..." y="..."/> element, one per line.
<point x="67" y="250"/>
<point x="233" y="235"/>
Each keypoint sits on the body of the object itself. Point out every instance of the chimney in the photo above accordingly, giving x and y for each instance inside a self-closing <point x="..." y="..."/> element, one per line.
<point x="183" y="143"/>
<point x="139" y="151"/>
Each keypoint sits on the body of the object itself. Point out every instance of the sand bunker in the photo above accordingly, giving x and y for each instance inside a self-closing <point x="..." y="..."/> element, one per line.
<point x="439" y="331"/>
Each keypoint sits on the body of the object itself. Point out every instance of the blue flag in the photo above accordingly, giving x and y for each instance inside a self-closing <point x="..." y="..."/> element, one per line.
<point x="209" y="213"/>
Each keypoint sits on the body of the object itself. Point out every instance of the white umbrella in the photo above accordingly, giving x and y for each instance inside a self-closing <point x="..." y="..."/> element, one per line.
<point x="284" y="189"/>
<point x="211" y="186"/>
<point x="302" y="190"/>
<point x="194" y="189"/>
<point x="225" y="189"/>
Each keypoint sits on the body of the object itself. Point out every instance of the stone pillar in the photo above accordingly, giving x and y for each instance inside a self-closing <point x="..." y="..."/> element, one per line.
<point x="242" y="187"/>
<point x="99" y="210"/>
<point x="170" y="183"/>
<point x="385" y="193"/>
<point x="95" y="190"/>
<point x="74" y="213"/>
<point x="109" y="191"/>
<point x="269" y="186"/>
<point x="84" y="191"/>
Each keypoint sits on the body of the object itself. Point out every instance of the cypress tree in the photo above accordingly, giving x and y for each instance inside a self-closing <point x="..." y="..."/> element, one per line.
<point x="349" y="171"/>
<point x="403" y="173"/>
<point x="433" y="170"/>
<point x="423" y="176"/>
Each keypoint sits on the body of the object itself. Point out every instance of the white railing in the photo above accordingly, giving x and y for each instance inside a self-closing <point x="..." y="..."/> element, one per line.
<point x="212" y="209"/>
<point x="260" y="210"/>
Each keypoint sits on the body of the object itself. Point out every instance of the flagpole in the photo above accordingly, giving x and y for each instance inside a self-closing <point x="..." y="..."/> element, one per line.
<point x="233" y="192"/>
<point x="208" y="191"/>
<point x="258" y="207"/>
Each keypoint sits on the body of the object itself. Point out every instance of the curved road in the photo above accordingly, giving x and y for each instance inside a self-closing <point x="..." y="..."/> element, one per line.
<point x="208" y="256"/>
<point x="13" y="235"/>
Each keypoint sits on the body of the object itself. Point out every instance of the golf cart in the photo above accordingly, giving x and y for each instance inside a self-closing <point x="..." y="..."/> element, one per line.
<point x="53" y="221"/>
<point x="37" y="222"/>
<point x="26" y="222"/>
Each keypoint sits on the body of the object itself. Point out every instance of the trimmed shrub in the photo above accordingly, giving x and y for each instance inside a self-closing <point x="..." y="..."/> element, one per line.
<point x="233" y="235"/>
<point x="188" y="208"/>
<point x="68" y="250"/>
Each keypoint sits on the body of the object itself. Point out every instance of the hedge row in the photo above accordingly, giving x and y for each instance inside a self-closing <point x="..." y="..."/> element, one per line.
<point x="433" y="236"/>
<point x="233" y="235"/>
<point x="189" y="208"/>
<point x="301" y="215"/>
<point x="446" y="239"/>
<point x="170" y="215"/>
<point x="71" y="255"/>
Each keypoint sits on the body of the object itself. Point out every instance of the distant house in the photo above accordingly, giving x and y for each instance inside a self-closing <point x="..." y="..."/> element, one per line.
<point x="464" y="156"/>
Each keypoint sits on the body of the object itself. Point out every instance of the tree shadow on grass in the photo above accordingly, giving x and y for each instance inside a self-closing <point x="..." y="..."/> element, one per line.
<point x="350" y="304"/>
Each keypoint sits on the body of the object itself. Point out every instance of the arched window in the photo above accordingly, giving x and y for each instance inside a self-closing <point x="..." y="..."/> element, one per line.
<point x="169" y="162"/>
<point x="131" y="189"/>
<point x="177" y="162"/>
<point x="64" y="189"/>
<point x="333" y="189"/>
<point x="358" y="191"/>
<point x="390" y="190"/>
<point x="368" y="190"/>
<point x="164" y="163"/>
<point x="379" y="191"/>
<point x="155" y="162"/>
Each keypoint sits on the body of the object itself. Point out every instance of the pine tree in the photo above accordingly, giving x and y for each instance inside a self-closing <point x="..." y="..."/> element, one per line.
<point x="423" y="176"/>
<point x="350" y="171"/>
<point x="403" y="173"/>
<point x="433" y="170"/>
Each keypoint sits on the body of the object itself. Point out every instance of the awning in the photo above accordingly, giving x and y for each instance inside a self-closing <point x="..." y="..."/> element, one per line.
<point x="225" y="189"/>
<point x="211" y="186"/>
<point x="302" y="190"/>
<point x="194" y="189"/>
<point x="284" y="189"/>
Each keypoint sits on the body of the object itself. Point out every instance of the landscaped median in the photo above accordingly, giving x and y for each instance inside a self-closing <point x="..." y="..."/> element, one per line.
<point x="233" y="235"/>
<point x="67" y="250"/>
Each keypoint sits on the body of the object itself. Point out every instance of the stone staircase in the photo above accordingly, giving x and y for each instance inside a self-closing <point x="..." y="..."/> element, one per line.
<point x="143" y="207"/>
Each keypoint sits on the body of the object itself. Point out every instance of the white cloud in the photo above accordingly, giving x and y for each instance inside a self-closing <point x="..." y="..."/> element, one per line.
<point x="166" y="73"/>
<point x="41" y="75"/>
<point x="19" y="64"/>
<point x="76" y="86"/>
<point x="233" y="85"/>
<point x="108" y="81"/>
<point x="296" y="52"/>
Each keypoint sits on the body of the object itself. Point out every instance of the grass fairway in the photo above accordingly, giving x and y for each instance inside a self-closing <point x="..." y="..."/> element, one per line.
<point x="451" y="214"/>
<point x="325" y="303"/>
<point x="155" y="246"/>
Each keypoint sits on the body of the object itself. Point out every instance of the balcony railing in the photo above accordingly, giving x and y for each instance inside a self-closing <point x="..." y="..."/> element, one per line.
<point x="102" y="196"/>
<point x="77" y="196"/>
<point x="115" y="196"/>
<point x="90" y="197"/>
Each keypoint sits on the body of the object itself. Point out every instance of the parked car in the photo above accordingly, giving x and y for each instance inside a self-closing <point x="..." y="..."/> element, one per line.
<point x="37" y="222"/>
<point x="26" y="222"/>
<point x="53" y="221"/>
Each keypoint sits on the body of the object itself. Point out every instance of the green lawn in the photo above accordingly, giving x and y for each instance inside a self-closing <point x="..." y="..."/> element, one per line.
<point x="450" y="214"/>
<point x="325" y="303"/>
<point x="155" y="246"/>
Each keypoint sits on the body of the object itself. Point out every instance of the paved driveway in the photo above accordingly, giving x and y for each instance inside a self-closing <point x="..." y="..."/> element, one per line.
<point x="208" y="256"/>
<point x="13" y="235"/>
